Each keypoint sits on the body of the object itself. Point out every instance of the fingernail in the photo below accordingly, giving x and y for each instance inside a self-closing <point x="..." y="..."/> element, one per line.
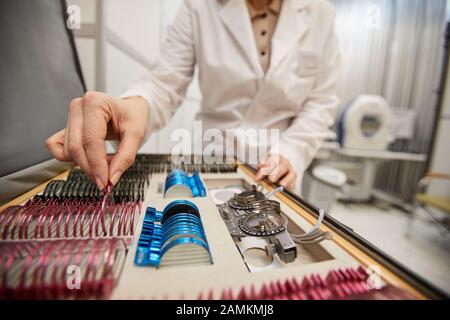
<point x="115" y="178"/>
<point x="99" y="183"/>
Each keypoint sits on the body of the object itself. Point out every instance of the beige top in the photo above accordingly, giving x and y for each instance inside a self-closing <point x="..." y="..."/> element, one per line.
<point x="264" y="22"/>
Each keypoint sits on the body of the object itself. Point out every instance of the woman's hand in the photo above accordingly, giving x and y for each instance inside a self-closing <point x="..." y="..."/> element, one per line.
<point x="278" y="169"/>
<point x="94" y="118"/>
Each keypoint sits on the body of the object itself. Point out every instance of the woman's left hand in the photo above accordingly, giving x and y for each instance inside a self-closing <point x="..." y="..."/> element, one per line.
<point x="278" y="169"/>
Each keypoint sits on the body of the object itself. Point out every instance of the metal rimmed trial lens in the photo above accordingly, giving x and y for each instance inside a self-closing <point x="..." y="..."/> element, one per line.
<point x="174" y="236"/>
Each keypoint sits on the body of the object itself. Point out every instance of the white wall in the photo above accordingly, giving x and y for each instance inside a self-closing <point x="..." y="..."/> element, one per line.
<point x="142" y="24"/>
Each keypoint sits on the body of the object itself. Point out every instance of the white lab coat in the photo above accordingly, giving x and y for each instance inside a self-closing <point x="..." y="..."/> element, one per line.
<point x="297" y="94"/>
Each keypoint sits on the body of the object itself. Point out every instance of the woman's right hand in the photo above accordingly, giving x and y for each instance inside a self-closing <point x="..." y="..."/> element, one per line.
<point x="93" y="119"/>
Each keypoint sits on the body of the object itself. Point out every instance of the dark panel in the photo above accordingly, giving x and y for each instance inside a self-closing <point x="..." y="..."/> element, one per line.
<point x="39" y="76"/>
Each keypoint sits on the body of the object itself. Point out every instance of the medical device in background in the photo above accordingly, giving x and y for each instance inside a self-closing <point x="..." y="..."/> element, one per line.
<point x="365" y="124"/>
<point x="365" y="128"/>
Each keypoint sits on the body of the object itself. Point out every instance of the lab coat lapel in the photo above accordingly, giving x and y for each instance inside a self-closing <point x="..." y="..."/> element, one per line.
<point x="292" y="25"/>
<point x="234" y="15"/>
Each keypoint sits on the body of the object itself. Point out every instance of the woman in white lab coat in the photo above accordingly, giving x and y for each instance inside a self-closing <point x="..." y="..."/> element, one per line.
<point x="291" y="86"/>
